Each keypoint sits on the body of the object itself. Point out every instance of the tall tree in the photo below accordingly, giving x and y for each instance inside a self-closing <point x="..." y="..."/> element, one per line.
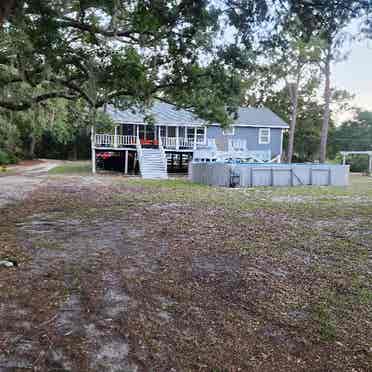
<point x="327" y="19"/>
<point x="294" y="60"/>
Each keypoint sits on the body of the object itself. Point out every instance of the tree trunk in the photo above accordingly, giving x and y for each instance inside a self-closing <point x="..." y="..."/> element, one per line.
<point x="75" y="150"/>
<point x="294" y="101"/>
<point x="31" y="149"/>
<point x="327" y="110"/>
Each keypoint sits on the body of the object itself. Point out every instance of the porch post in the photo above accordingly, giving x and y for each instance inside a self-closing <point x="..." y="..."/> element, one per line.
<point x="93" y="135"/>
<point x="343" y="159"/>
<point x="177" y="138"/>
<point x="138" y="133"/>
<point x="116" y="136"/>
<point x="195" y="136"/>
<point x="93" y="160"/>
<point x="126" y="162"/>
<point x="159" y="132"/>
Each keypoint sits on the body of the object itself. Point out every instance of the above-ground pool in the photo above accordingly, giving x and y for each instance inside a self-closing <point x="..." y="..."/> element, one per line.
<point x="268" y="174"/>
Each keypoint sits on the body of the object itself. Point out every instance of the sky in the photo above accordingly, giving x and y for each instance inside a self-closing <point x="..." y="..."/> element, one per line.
<point x="355" y="73"/>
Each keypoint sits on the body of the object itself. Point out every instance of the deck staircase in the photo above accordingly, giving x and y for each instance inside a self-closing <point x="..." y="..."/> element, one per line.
<point x="153" y="164"/>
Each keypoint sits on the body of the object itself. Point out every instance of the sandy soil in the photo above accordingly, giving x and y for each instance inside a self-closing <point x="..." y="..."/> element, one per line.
<point x="23" y="179"/>
<point x="120" y="275"/>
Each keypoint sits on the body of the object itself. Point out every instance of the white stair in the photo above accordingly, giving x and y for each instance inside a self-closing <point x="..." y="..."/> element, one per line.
<point x="152" y="164"/>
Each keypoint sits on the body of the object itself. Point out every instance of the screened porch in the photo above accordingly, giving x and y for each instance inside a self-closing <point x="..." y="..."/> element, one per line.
<point x="170" y="137"/>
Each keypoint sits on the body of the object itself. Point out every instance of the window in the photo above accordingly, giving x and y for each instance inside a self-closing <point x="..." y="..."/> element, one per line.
<point x="264" y="136"/>
<point x="229" y="131"/>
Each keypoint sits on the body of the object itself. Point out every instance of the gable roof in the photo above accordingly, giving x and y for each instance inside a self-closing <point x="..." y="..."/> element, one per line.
<point x="258" y="117"/>
<point x="170" y="115"/>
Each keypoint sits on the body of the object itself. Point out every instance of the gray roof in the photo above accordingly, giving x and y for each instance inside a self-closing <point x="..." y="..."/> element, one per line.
<point x="166" y="114"/>
<point x="259" y="117"/>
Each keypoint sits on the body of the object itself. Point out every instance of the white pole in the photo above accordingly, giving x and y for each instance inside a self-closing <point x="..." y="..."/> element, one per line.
<point x="160" y="141"/>
<point x="177" y="138"/>
<point x="281" y="146"/>
<point x="116" y="136"/>
<point x="343" y="159"/>
<point x="93" y="135"/>
<point x="195" y="136"/>
<point x="93" y="160"/>
<point x="126" y="162"/>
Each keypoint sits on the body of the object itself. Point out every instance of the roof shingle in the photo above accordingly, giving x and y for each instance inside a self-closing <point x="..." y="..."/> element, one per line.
<point x="166" y="114"/>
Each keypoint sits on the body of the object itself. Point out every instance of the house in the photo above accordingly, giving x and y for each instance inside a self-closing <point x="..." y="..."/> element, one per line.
<point x="176" y="136"/>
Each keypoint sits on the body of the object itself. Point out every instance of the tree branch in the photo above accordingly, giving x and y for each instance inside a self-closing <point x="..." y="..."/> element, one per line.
<point x="25" y="105"/>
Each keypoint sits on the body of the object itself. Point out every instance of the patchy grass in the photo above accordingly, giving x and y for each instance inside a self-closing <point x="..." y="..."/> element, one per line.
<point x="72" y="168"/>
<point x="160" y="275"/>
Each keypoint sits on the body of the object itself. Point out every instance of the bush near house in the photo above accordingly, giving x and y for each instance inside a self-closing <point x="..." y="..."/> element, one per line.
<point x="6" y="158"/>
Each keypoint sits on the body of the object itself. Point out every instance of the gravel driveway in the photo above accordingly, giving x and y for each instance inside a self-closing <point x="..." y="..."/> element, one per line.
<point x="22" y="180"/>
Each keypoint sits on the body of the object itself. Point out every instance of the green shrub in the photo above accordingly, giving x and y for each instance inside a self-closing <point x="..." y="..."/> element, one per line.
<point x="7" y="158"/>
<point x="4" y="159"/>
<point x="12" y="159"/>
<point x="358" y="163"/>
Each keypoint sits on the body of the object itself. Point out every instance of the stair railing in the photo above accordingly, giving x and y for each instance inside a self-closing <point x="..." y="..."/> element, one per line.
<point x="163" y="155"/>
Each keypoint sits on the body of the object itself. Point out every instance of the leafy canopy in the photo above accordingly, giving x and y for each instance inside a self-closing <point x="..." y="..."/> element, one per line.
<point x="119" y="52"/>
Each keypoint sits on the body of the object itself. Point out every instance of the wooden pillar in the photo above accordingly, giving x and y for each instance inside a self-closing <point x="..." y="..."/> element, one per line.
<point x="137" y="131"/>
<point x="126" y="162"/>
<point x="177" y="138"/>
<point x="195" y="136"/>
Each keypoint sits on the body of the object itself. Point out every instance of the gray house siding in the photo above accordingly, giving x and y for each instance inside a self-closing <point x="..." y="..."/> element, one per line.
<point x="251" y="135"/>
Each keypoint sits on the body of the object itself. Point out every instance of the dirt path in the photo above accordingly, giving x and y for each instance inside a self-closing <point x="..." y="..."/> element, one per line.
<point x="23" y="179"/>
<point x="117" y="276"/>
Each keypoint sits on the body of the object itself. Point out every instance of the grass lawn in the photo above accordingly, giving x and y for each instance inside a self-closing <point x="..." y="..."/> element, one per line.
<point x="75" y="167"/>
<point x="119" y="274"/>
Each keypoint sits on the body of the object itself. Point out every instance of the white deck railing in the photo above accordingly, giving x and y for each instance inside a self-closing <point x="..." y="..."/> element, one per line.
<point x="237" y="144"/>
<point x="182" y="142"/>
<point x="215" y="155"/>
<point x="112" y="140"/>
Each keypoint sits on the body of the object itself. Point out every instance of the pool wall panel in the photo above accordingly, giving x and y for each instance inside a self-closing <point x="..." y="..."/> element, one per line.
<point x="247" y="175"/>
